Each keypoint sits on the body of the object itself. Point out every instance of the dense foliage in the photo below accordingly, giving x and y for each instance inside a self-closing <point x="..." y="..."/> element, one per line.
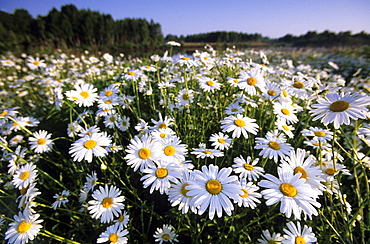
<point x="71" y="28"/>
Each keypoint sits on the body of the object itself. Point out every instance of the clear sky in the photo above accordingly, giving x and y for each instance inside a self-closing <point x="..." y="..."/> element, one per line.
<point x="272" y="18"/>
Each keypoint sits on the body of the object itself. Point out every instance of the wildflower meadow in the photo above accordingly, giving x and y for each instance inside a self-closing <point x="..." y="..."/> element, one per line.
<point x="213" y="146"/>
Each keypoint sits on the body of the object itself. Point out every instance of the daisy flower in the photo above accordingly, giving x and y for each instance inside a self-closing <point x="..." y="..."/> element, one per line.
<point x="161" y="176"/>
<point x="114" y="234"/>
<point x="209" y="84"/>
<point x="284" y="127"/>
<point x="185" y="96"/>
<point x="272" y="90"/>
<point x="132" y="75"/>
<point x="234" y="82"/>
<point x="59" y="199"/>
<point x="27" y="195"/>
<point x="162" y="134"/>
<point x="285" y="111"/>
<point x="207" y="153"/>
<point x="122" y="219"/>
<point x="316" y="132"/>
<point x="142" y="152"/>
<point x="184" y="60"/>
<point x="294" y="194"/>
<point x="247" y="169"/>
<point x="331" y="171"/>
<point x="165" y="234"/>
<point x="268" y="238"/>
<point x="339" y="108"/>
<point x="91" y="181"/>
<point x="272" y="147"/>
<point x="252" y="79"/>
<point x="213" y="189"/>
<point x="173" y="150"/>
<point x="24" y="176"/>
<point x="73" y="129"/>
<point x="35" y="63"/>
<point x="316" y="143"/>
<point x="295" y="234"/>
<point x="249" y="198"/>
<point x="84" y="95"/>
<point x="220" y="141"/>
<point x="107" y="202"/>
<point x="299" y="87"/>
<point x="234" y="108"/>
<point x="177" y="194"/>
<point x="173" y="43"/>
<point x="86" y="147"/>
<point x="162" y="123"/>
<point x="40" y="142"/>
<point x="25" y="228"/>
<point x="124" y="123"/>
<point x="297" y="163"/>
<point x="239" y="125"/>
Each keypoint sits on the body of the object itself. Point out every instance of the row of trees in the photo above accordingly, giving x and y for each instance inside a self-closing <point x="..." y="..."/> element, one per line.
<point x="218" y="36"/>
<point x="326" y="39"/>
<point x="73" y="28"/>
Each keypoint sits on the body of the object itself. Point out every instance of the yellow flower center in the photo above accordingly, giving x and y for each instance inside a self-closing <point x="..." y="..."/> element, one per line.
<point x="183" y="191"/>
<point x="285" y="93"/>
<point x="84" y="94"/>
<point x="23" y="227"/>
<point x="131" y="72"/>
<point x="272" y="242"/>
<point x="24" y="175"/>
<point x="285" y="127"/>
<point x="302" y="171"/>
<point x="74" y="98"/>
<point x="274" y="145"/>
<point x="185" y="96"/>
<point x="36" y="63"/>
<point x="5" y="112"/>
<point x="251" y="81"/>
<point x="108" y="93"/>
<point x="41" y="141"/>
<point x="113" y="238"/>
<point x="161" y="173"/>
<point x="285" y="111"/>
<point x="112" y="119"/>
<point x="169" y="151"/>
<point x="166" y="237"/>
<point x="271" y="93"/>
<point x="163" y="135"/>
<point x="207" y="152"/>
<point x="319" y="133"/>
<point x="300" y="240"/>
<point x="108" y="101"/>
<point x="214" y="187"/>
<point x="298" y="84"/>
<point x="330" y="171"/>
<point x="221" y="140"/>
<point x="245" y="193"/>
<point x="288" y="190"/>
<point x="90" y="144"/>
<point x="339" y="106"/>
<point x="248" y="166"/>
<point x="144" y="153"/>
<point x="236" y="81"/>
<point x="318" y="144"/>
<point x="121" y="218"/>
<point x="107" y="202"/>
<point x="234" y="110"/>
<point x="185" y="58"/>
<point x="239" y="123"/>
<point x="205" y="58"/>
<point x="210" y="83"/>
<point x="148" y="67"/>
<point x="162" y="126"/>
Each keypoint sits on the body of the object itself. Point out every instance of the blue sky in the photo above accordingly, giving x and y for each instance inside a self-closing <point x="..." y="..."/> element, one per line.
<point x="272" y="18"/>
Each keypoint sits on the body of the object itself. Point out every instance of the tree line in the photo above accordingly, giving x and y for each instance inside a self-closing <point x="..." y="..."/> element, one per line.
<point x="71" y="28"/>
<point x="75" y="29"/>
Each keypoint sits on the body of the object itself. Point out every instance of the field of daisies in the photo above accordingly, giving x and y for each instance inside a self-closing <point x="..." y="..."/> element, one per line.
<point x="226" y="146"/>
